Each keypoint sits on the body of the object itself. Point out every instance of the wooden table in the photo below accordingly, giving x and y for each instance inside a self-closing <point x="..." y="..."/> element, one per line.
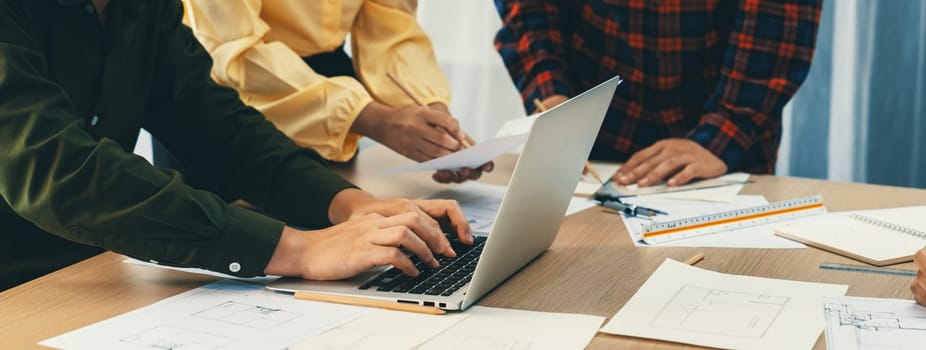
<point x="567" y="278"/>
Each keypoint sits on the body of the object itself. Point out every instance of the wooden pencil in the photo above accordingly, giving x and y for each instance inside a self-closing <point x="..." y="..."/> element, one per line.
<point x="340" y="299"/>
<point x="412" y="96"/>
<point x="695" y="259"/>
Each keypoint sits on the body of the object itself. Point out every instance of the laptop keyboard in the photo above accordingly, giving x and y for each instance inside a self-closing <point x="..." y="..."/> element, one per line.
<point x="452" y="274"/>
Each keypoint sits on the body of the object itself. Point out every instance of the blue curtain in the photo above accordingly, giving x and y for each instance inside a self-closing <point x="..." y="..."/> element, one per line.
<point x="873" y="131"/>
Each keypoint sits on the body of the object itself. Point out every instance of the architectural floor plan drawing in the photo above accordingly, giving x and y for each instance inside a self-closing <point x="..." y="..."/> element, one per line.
<point x="873" y="323"/>
<point x="685" y="304"/>
<point x="461" y="342"/>
<point x="252" y="316"/>
<point x="171" y="338"/>
<point x="224" y="315"/>
<point x="716" y="311"/>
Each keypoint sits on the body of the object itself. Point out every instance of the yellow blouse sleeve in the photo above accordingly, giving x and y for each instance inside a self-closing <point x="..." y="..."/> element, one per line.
<point x="387" y="38"/>
<point x="313" y="110"/>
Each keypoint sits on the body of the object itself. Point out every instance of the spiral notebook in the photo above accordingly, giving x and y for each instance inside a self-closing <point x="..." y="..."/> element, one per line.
<point x="878" y="237"/>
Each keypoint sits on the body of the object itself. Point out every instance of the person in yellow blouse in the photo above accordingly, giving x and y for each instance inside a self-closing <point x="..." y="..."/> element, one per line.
<point x="286" y="58"/>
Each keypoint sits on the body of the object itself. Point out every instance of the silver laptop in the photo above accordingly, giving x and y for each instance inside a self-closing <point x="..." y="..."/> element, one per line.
<point x="527" y="221"/>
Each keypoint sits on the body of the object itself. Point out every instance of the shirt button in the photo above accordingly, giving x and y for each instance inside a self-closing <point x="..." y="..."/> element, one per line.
<point x="94" y="121"/>
<point x="234" y="267"/>
<point x="88" y="7"/>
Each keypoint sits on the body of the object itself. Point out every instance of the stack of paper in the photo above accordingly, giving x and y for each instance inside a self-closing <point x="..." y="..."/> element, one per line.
<point x="234" y="315"/>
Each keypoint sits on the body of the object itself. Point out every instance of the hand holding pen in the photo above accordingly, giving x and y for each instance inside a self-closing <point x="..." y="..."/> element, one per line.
<point x="464" y="141"/>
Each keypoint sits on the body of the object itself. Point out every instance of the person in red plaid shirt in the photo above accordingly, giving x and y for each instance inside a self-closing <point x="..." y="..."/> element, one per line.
<point x="704" y="80"/>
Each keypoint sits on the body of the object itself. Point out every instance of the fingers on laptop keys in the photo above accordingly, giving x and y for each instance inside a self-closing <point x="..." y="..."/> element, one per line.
<point x="417" y="231"/>
<point x="396" y="233"/>
<point x="425" y="225"/>
<point x="450" y="211"/>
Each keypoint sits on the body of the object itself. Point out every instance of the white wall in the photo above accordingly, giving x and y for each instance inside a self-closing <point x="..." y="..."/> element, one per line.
<point x="462" y="33"/>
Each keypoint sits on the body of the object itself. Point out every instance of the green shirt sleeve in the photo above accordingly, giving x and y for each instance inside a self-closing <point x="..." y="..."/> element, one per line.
<point x="56" y="175"/>
<point x="229" y="148"/>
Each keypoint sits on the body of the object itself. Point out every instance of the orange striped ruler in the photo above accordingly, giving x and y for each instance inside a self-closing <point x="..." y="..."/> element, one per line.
<point x="731" y="220"/>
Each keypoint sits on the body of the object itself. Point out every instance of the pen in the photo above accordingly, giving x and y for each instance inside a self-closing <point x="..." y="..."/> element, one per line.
<point x="870" y="269"/>
<point x="588" y="166"/>
<point x="412" y="96"/>
<point x="340" y="299"/>
<point x="632" y="209"/>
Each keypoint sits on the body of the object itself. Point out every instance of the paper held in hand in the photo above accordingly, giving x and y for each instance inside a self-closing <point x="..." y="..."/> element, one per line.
<point x="472" y="157"/>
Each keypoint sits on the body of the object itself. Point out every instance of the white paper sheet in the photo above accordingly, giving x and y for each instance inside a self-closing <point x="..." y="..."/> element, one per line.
<point x="382" y="329"/>
<point x="685" y="304"/>
<point x="873" y="323"/>
<point x="258" y="280"/>
<point x="753" y="237"/>
<point x="725" y="194"/>
<point x="472" y="157"/>
<point x="517" y="126"/>
<point x="222" y="315"/>
<point x="481" y="201"/>
<point x="493" y="328"/>
<point x="476" y="328"/>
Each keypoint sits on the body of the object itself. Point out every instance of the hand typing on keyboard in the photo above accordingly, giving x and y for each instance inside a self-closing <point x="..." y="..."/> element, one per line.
<point x="373" y="233"/>
<point x="426" y="225"/>
<point x="453" y="273"/>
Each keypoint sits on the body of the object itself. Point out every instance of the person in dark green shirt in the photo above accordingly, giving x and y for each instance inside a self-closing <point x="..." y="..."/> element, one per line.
<point x="79" y="78"/>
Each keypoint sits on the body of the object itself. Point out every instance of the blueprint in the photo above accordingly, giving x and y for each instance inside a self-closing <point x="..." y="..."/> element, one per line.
<point x="685" y="304"/>
<point x="223" y="315"/>
<point x="874" y="323"/>
<point x="716" y="311"/>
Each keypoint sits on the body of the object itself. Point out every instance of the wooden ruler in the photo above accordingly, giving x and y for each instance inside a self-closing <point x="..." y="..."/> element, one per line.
<point x="731" y="220"/>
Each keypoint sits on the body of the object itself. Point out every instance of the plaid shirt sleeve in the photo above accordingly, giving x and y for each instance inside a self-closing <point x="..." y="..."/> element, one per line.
<point x="770" y="49"/>
<point x="532" y="46"/>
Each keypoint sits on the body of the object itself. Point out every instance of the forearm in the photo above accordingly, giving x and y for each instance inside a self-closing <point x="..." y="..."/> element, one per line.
<point x="343" y="204"/>
<point x="369" y="121"/>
